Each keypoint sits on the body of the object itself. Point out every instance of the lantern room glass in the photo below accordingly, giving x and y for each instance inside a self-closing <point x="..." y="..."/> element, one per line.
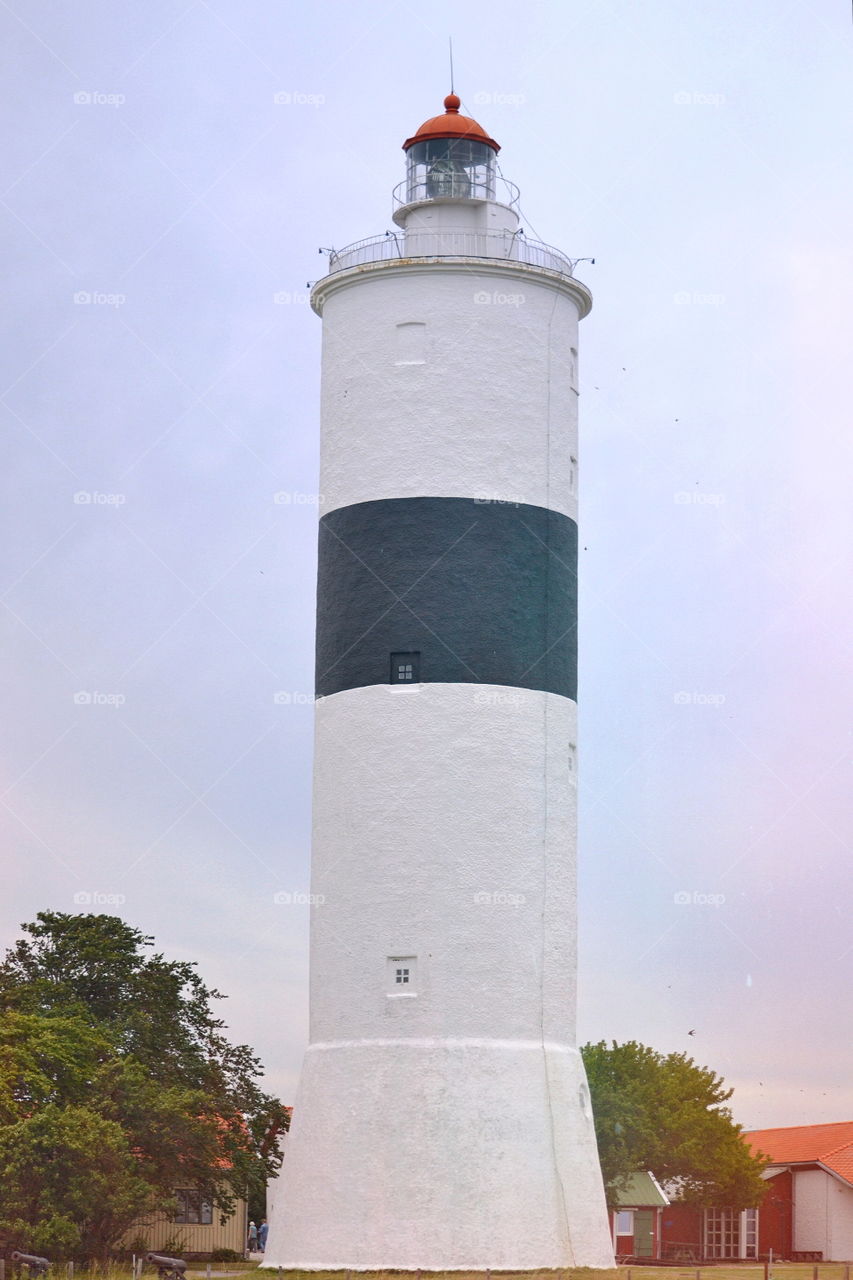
<point x="450" y="169"/>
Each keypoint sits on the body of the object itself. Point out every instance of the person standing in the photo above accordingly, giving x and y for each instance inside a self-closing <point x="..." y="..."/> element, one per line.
<point x="253" y="1238"/>
<point x="262" y="1235"/>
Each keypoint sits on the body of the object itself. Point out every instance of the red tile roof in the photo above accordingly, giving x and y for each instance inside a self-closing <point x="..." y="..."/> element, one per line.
<point x="829" y="1144"/>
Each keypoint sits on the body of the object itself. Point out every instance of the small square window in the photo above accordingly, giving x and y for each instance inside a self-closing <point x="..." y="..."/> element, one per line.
<point x="401" y="976"/>
<point x="405" y="668"/>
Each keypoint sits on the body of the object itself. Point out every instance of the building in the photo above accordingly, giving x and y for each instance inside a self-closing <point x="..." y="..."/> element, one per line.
<point x="443" y="1118"/>
<point x="690" y="1233"/>
<point x="806" y="1214"/>
<point x="636" y="1217"/>
<point x="195" y="1231"/>
<point x="809" y="1213"/>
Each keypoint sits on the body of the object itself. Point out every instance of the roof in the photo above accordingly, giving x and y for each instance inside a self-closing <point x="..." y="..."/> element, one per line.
<point x="640" y="1189"/>
<point x="828" y="1144"/>
<point x="451" y="125"/>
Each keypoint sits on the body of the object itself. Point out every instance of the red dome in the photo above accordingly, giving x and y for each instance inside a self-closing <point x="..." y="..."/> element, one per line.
<point x="451" y="125"/>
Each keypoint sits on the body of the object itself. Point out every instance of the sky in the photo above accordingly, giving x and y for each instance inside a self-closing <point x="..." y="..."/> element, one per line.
<point x="171" y="171"/>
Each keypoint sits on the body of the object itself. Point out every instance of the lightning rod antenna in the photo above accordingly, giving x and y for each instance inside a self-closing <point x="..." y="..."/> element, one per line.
<point x="450" y="43"/>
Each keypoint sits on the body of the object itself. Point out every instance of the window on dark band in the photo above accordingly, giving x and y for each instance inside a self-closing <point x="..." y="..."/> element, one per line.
<point x="405" y="668"/>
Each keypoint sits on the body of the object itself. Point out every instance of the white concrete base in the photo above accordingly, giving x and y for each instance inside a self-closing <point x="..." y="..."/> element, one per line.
<point x="377" y="1124"/>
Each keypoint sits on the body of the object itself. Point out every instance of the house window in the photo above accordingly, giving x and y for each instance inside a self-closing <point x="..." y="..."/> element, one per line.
<point x="405" y="668"/>
<point x="729" y="1234"/>
<point x="624" y="1225"/>
<point x="193" y="1209"/>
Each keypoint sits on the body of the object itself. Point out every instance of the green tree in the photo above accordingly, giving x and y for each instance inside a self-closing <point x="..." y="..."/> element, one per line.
<point x="97" y="1030"/>
<point x="663" y="1112"/>
<point x="45" y="1060"/>
<point x="71" y="1185"/>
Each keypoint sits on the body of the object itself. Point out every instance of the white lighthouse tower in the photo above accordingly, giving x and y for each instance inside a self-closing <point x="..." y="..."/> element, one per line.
<point x="443" y="1118"/>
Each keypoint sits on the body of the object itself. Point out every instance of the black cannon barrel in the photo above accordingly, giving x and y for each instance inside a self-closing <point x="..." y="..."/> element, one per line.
<point x="166" y="1264"/>
<point x="31" y="1260"/>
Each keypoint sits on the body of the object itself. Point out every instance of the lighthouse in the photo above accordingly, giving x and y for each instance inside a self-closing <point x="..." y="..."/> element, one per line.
<point x="443" y="1118"/>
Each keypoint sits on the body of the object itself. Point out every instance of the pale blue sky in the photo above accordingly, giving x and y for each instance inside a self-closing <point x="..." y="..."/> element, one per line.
<point x="701" y="154"/>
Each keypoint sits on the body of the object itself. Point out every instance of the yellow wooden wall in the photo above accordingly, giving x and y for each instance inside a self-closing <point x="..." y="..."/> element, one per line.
<point x="196" y="1237"/>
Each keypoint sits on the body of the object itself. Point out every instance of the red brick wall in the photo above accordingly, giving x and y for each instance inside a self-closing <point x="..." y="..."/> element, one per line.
<point x="775" y="1217"/>
<point x="681" y="1225"/>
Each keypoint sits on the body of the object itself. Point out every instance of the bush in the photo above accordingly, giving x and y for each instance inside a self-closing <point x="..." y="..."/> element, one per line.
<point x="225" y="1255"/>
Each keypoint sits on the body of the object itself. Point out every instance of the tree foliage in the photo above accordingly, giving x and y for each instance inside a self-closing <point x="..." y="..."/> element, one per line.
<point x="117" y="1085"/>
<point x="664" y="1113"/>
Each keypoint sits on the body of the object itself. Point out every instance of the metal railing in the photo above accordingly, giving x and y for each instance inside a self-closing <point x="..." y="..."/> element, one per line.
<point x="451" y="244"/>
<point x="459" y="187"/>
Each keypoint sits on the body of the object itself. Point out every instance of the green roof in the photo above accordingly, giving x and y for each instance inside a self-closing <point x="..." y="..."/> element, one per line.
<point x="640" y="1189"/>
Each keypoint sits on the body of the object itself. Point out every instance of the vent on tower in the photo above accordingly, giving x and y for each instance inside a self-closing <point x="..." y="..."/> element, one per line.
<point x="411" y="342"/>
<point x="405" y="668"/>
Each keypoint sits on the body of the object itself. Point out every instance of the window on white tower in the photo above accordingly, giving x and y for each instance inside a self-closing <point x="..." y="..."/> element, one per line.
<point x="401" y="976"/>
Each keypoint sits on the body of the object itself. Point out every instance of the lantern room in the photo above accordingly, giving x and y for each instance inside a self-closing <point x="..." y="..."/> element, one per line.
<point x="451" y="157"/>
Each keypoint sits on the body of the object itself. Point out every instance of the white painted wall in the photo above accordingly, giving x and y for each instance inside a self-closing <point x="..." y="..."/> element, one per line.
<point x="811" y="1211"/>
<point x="448" y="1127"/>
<point x="491" y="411"/>
<point x="840" y="1198"/>
<point x="452" y="1128"/>
<point x="444" y="827"/>
<point x="823" y="1215"/>
<point x="440" y="1154"/>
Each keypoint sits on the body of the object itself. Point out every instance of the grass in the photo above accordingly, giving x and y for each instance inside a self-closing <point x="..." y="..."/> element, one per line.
<point x="738" y="1271"/>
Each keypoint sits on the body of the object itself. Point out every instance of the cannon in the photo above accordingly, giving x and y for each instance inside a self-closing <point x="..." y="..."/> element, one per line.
<point x="37" y="1266"/>
<point x="167" y="1268"/>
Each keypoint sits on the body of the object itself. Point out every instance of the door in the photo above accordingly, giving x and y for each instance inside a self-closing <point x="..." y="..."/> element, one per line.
<point x="644" y="1233"/>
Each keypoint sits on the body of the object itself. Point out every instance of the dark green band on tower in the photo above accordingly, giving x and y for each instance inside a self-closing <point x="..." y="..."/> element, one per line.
<point x="484" y="593"/>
